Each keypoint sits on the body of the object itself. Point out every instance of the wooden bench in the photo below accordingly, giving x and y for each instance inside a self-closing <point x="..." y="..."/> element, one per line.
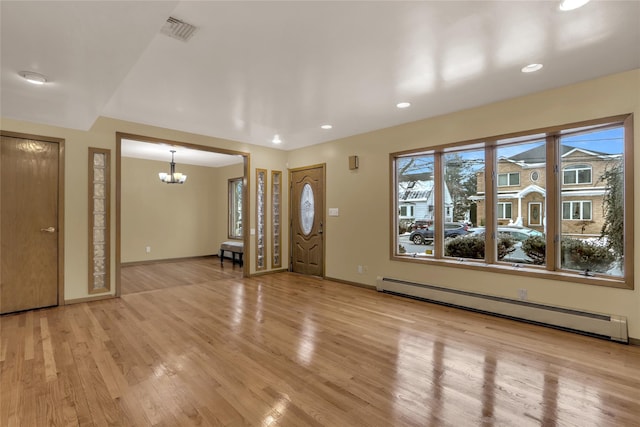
<point x="236" y="249"/>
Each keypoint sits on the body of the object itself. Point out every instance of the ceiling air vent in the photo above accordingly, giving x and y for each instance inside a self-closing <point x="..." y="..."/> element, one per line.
<point x="178" y="29"/>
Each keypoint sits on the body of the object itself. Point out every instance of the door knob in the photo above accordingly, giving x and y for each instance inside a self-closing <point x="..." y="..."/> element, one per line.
<point x="48" y="230"/>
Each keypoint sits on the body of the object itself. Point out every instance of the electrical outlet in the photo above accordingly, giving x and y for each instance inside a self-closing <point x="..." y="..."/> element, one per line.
<point x="148" y="249"/>
<point x="523" y="294"/>
<point x="360" y="269"/>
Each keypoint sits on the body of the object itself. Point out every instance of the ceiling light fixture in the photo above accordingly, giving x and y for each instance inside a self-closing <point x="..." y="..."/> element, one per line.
<point x="403" y="104"/>
<point x="34" y="78"/>
<point x="566" y="5"/>
<point x="531" y="68"/>
<point x="326" y="127"/>
<point x="276" y="139"/>
<point x="172" y="177"/>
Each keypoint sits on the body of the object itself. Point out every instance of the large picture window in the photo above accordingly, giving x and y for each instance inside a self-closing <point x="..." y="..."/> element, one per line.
<point x="550" y="202"/>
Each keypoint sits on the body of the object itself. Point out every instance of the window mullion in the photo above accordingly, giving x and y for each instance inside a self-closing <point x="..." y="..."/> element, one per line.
<point x="628" y="259"/>
<point x="438" y="225"/>
<point x="553" y="194"/>
<point x="491" y="189"/>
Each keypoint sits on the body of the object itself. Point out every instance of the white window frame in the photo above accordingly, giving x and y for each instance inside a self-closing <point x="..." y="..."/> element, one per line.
<point x="531" y="205"/>
<point x="572" y="209"/>
<point x="410" y="208"/>
<point x="509" y="176"/>
<point x="501" y="210"/>
<point x="575" y="170"/>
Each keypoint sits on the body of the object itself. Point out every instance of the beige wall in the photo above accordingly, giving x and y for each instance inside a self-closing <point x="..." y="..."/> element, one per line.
<point x="361" y="234"/>
<point x="103" y="135"/>
<point x="176" y="221"/>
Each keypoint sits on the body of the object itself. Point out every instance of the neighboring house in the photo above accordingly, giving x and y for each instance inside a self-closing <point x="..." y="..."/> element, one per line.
<point x="521" y="181"/>
<point x="417" y="201"/>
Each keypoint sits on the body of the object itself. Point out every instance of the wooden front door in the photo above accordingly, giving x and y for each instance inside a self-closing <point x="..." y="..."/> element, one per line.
<point x="29" y="224"/>
<point x="535" y="214"/>
<point x="307" y="220"/>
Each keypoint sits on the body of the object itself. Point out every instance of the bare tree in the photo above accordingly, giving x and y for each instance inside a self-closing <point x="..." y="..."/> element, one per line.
<point x="613" y="207"/>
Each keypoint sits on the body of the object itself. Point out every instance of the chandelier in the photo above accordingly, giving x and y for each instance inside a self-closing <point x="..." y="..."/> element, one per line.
<point x="172" y="177"/>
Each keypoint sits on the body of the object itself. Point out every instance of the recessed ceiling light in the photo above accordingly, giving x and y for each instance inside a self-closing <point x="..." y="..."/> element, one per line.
<point x="35" y="78"/>
<point x="326" y="127"/>
<point x="572" y="4"/>
<point x="531" y="68"/>
<point x="403" y="104"/>
<point x="276" y="139"/>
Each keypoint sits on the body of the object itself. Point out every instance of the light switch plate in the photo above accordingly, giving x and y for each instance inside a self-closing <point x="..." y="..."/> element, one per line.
<point x="333" y="212"/>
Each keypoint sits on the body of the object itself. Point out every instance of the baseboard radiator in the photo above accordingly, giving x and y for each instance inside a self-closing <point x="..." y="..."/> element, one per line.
<point x="608" y="326"/>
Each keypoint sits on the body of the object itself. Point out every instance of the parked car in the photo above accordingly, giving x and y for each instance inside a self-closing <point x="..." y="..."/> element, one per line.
<point x="516" y="232"/>
<point x="420" y="223"/>
<point x="425" y="235"/>
<point x="519" y="235"/>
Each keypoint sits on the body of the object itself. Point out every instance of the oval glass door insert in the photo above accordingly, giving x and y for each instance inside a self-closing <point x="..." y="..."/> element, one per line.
<point x="307" y="209"/>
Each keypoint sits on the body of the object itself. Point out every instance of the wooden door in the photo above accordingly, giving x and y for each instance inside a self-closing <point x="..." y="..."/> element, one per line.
<point x="307" y="220"/>
<point x="28" y="224"/>
<point x="535" y="214"/>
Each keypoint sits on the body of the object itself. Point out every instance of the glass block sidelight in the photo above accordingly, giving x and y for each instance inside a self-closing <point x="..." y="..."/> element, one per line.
<point x="98" y="265"/>
<point x="98" y="236"/>
<point x="99" y="220"/>
<point x="98" y="175"/>
<point x="99" y="193"/>
<point x="99" y="160"/>
<point x="98" y="205"/>
<point x="261" y="180"/>
<point x="98" y="280"/>
<point x="98" y="190"/>
<point x="276" y="200"/>
<point x="98" y="251"/>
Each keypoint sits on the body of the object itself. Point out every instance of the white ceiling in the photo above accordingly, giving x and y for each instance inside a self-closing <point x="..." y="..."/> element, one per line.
<point x="182" y="155"/>
<point x="256" y="69"/>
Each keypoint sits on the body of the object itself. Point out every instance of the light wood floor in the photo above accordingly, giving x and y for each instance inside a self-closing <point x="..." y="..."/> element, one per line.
<point x="150" y="277"/>
<point x="282" y="349"/>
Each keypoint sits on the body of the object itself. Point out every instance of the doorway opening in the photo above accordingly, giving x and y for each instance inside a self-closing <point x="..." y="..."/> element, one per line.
<point x="173" y="223"/>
